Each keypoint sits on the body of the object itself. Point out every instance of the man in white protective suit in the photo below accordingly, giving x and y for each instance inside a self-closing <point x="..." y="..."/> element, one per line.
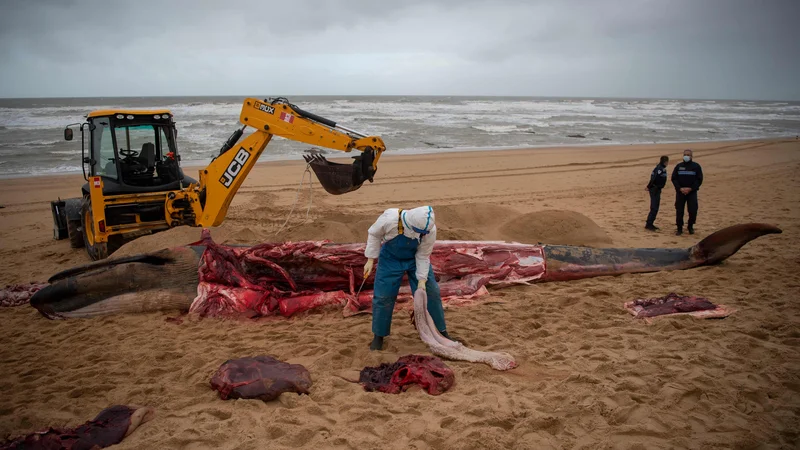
<point x="402" y="242"/>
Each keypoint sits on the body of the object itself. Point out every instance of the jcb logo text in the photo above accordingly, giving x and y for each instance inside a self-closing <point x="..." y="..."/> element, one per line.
<point x="234" y="167"/>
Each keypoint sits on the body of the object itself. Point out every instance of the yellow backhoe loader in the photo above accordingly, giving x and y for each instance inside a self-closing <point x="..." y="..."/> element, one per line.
<point x="136" y="185"/>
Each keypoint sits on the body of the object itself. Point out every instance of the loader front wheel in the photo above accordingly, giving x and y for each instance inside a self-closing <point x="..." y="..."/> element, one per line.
<point x="75" y="233"/>
<point x="96" y="250"/>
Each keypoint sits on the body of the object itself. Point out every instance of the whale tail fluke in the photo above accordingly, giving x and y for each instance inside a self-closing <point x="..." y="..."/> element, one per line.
<point x="722" y="244"/>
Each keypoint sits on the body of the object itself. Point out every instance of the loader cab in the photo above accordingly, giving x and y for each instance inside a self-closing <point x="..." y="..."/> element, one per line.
<point x="134" y="151"/>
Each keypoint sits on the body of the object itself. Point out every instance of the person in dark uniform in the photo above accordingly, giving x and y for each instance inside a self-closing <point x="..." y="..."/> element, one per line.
<point x="658" y="179"/>
<point x="687" y="178"/>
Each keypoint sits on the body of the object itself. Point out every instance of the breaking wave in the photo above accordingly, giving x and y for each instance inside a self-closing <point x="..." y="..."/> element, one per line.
<point x="30" y="130"/>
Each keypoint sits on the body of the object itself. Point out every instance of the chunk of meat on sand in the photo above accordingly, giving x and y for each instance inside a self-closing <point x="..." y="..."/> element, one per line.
<point x="429" y="372"/>
<point x="260" y="377"/>
<point x="674" y="304"/>
<point x="110" y="427"/>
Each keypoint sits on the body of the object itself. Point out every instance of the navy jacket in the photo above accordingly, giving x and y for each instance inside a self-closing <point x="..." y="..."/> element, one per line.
<point x="687" y="175"/>
<point x="658" y="178"/>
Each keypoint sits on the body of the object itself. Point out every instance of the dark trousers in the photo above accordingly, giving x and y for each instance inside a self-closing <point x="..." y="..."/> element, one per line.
<point x="655" y="202"/>
<point x="682" y="201"/>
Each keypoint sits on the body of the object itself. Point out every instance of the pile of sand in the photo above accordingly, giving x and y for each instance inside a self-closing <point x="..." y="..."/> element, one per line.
<point x="173" y="237"/>
<point x="556" y="227"/>
<point x="473" y="216"/>
<point x="478" y="222"/>
<point x="472" y="222"/>
<point x="328" y="228"/>
<point x="484" y="222"/>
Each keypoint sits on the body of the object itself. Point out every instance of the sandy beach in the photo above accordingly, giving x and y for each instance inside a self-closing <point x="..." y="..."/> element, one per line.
<point x="590" y="375"/>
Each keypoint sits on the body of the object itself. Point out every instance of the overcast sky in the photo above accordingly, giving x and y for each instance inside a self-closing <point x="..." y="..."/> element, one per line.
<point x="740" y="49"/>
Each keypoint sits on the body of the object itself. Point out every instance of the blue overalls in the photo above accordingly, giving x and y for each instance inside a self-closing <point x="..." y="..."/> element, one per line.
<point x="397" y="257"/>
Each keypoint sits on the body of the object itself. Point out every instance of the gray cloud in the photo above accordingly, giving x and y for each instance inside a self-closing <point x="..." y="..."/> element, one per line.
<point x="631" y="48"/>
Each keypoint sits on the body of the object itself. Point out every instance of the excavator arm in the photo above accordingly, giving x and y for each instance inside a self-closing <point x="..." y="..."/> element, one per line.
<point x="220" y="181"/>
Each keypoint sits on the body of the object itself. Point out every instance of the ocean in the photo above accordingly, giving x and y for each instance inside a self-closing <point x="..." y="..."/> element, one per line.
<point x="32" y="143"/>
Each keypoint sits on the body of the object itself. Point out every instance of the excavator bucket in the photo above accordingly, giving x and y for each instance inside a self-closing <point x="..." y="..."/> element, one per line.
<point x="338" y="179"/>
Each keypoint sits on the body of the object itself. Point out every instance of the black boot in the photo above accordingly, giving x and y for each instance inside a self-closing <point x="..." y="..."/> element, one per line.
<point x="691" y="229"/>
<point x="679" y="232"/>
<point x="454" y="339"/>
<point x="377" y="343"/>
<point x="651" y="227"/>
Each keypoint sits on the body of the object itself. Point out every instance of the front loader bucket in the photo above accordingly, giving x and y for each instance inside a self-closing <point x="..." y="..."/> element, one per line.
<point x="338" y="179"/>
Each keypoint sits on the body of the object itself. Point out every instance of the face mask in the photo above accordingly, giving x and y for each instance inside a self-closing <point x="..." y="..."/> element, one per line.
<point x="422" y="232"/>
<point x="687" y="158"/>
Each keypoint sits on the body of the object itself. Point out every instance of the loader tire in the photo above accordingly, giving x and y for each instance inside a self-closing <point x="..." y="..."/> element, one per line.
<point x="75" y="233"/>
<point x="96" y="250"/>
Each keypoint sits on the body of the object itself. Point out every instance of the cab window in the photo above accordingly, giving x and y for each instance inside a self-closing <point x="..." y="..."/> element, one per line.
<point x="103" y="155"/>
<point x="164" y="143"/>
<point x="138" y="141"/>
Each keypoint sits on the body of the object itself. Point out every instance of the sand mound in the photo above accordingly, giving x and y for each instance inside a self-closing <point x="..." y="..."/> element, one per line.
<point x="455" y="222"/>
<point x="555" y="227"/>
<point x="321" y="230"/>
<point x="459" y="234"/>
<point x="339" y="228"/>
<point x="472" y="221"/>
<point x="472" y="215"/>
<point x="173" y="237"/>
<point x="335" y="228"/>
<point x="241" y="236"/>
<point x="485" y="221"/>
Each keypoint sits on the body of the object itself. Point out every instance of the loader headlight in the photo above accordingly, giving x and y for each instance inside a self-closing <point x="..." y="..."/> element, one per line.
<point x="165" y="116"/>
<point x="130" y="117"/>
<point x="120" y="116"/>
<point x="156" y="116"/>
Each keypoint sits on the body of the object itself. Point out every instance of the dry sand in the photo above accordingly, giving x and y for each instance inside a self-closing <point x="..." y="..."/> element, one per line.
<point x="590" y="375"/>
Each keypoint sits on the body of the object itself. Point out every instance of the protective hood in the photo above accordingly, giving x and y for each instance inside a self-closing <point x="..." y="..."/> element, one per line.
<point x="421" y="220"/>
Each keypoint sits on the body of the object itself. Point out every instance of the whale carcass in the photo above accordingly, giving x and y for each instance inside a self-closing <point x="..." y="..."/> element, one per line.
<point x="285" y="278"/>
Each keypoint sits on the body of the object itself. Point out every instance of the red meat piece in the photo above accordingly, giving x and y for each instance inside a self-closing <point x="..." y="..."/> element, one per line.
<point x="18" y="294"/>
<point x="261" y="377"/>
<point x="107" y="429"/>
<point x="672" y="303"/>
<point x="427" y="371"/>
